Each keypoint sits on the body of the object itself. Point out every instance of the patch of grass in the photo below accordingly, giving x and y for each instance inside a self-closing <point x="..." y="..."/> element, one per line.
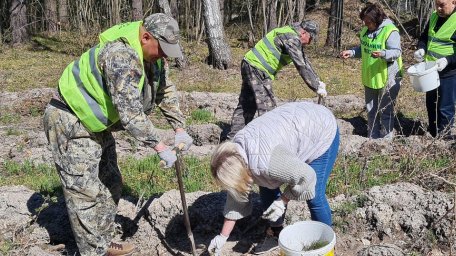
<point x="5" y="246"/>
<point x="140" y="176"/>
<point x="42" y="178"/>
<point x="201" y="116"/>
<point x="12" y="132"/>
<point x="44" y="68"/>
<point x="345" y="208"/>
<point x="10" y="118"/>
<point x="146" y="177"/>
<point x="35" y="111"/>
<point x="352" y="174"/>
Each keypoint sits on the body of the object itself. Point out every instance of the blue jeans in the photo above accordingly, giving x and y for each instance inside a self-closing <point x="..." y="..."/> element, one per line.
<point x="440" y="106"/>
<point x="319" y="206"/>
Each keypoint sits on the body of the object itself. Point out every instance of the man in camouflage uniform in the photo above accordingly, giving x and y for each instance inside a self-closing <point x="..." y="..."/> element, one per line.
<point x="260" y="65"/>
<point x="111" y="87"/>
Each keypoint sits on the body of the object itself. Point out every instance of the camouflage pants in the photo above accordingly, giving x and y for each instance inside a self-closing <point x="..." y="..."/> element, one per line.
<point x="91" y="180"/>
<point x="256" y="97"/>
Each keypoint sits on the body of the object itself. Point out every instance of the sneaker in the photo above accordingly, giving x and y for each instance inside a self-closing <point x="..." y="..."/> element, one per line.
<point x="119" y="249"/>
<point x="269" y="244"/>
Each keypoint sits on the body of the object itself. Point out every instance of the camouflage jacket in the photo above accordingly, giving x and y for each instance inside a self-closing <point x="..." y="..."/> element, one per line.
<point x="122" y="71"/>
<point x="291" y="44"/>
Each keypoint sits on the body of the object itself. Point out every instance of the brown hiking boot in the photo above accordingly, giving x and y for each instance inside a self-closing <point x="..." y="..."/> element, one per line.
<point x="119" y="249"/>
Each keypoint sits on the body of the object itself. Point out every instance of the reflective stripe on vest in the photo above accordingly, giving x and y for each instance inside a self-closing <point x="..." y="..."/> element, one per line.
<point x="82" y="87"/>
<point x="439" y="43"/>
<point x="375" y="70"/>
<point x="265" y="56"/>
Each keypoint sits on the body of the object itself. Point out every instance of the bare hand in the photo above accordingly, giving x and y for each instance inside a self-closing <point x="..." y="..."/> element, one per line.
<point x="345" y="54"/>
<point x="376" y="54"/>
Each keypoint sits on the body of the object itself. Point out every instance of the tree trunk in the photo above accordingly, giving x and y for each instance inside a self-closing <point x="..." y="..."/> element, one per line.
<point x="251" y="33"/>
<point x="18" y="12"/>
<point x="265" y="20"/>
<point x="166" y="9"/>
<point x="272" y="17"/>
<point x="222" y="10"/>
<point x="51" y="15"/>
<point x="63" y="14"/>
<point x="174" y="9"/>
<point x="219" y="51"/>
<point x="301" y="5"/>
<point x="115" y="15"/>
<point x="333" y="38"/>
<point x="424" y="14"/>
<point x="137" y="10"/>
<point x="1" y="32"/>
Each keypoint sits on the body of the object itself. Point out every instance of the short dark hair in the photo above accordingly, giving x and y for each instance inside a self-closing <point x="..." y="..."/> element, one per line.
<point x="373" y="12"/>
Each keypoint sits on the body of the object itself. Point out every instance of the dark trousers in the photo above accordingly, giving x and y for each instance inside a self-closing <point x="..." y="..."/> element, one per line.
<point x="256" y="97"/>
<point x="440" y="107"/>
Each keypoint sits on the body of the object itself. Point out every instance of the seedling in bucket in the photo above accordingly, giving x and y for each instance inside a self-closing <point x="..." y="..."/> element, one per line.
<point x="314" y="246"/>
<point x="307" y="238"/>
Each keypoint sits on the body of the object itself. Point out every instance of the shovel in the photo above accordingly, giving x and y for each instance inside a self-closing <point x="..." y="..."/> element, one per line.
<point x="178" y="165"/>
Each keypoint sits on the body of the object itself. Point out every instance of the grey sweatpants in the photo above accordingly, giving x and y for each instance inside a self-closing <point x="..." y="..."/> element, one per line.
<point x="380" y="110"/>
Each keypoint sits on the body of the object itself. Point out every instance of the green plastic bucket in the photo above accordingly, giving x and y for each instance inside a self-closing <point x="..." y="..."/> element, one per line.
<point x="307" y="238"/>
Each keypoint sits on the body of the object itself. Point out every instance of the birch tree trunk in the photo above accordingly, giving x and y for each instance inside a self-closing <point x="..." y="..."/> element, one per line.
<point x="63" y="14"/>
<point x="51" y="15"/>
<point x="137" y="9"/>
<point x="166" y="9"/>
<point x="219" y="51"/>
<point x="18" y="16"/>
<point x="222" y="10"/>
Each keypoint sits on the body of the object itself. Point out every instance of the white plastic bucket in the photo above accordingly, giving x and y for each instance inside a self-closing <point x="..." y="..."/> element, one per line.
<point x="294" y="238"/>
<point x="424" y="76"/>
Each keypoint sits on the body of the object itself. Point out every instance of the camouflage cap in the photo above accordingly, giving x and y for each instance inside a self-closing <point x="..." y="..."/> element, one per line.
<point x="311" y="27"/>
<point x="166" y="30"/>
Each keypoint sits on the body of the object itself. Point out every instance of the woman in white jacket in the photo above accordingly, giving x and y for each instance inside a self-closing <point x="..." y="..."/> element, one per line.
<point x="295" y="144"/>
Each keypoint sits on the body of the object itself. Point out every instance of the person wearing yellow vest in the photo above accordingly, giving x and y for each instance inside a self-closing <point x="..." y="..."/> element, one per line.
<point x="111" y="87"/>
<point x="380" y="51"/>
<point x="438" y="43"/>
<point x="280" y="47"/>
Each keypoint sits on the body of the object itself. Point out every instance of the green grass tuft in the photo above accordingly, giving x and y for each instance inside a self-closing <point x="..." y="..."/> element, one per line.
<point x="201" y="116"/>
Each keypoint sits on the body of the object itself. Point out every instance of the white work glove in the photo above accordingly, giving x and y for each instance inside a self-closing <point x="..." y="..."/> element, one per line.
<point x="419" y="55"/>
<point x="275" y="210"/>
<point x="168" y="157"/>
<point x="321" y="91"/>
<point x="441" y="63"/>
<point x="215" y="247"/>
<point x="182" y="137"/>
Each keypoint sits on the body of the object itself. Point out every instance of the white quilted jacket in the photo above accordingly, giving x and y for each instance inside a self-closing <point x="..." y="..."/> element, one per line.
<point x="304" y="128"/>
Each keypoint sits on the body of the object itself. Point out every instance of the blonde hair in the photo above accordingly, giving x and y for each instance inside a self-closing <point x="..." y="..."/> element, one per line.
<point x="231" y="172"/>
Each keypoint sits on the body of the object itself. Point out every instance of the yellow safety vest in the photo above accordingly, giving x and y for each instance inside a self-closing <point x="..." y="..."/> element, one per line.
<point x="81" y="84"/>
<point x="439" y="43"/>
<point x="375" y="70"/>
<point x="265" y="56"/>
